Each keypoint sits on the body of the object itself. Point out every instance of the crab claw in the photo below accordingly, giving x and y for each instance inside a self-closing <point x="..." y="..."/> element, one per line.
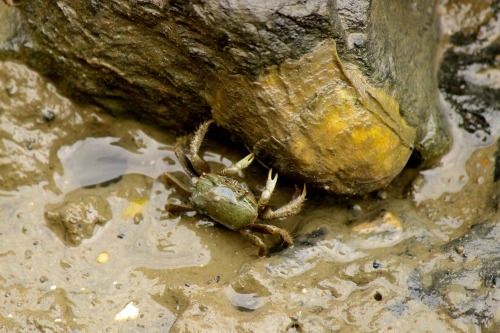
<point x="270" y="184"/>
<point x="291" y="208"/>
<point x="232" y="169"/>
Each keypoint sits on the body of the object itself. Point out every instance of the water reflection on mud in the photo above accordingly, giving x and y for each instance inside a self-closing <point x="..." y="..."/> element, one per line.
<point x="450" y="175"/>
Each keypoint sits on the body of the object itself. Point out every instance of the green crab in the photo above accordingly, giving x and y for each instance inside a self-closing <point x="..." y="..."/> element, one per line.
<point x="227" y="200"/>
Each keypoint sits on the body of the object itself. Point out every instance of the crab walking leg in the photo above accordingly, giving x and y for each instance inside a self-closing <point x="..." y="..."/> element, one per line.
<point x="178" y="208"/>
<point x="176" y="182"/>
<point x="268" y="191"/>
<point x="273" y="230"/>
<point x="256" y="241"/>
<point x="185" y="163"/>
<point x="293" y="207"/>
<point x="199" y="165"/>
<point x="232" y="169"/>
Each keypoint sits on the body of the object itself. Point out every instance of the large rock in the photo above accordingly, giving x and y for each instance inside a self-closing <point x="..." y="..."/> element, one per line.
<point x="318" y="120"/>
<point x="171" y="61"/>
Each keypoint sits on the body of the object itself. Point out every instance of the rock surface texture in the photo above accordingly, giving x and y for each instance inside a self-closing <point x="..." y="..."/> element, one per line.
<point x="259" y="66"/>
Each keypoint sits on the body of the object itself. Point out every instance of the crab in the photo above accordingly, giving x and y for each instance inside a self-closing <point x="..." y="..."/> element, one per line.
<point x="227" y="200"/>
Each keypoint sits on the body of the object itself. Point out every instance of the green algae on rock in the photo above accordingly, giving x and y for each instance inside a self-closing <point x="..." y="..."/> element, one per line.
<point x="316" y="119"/>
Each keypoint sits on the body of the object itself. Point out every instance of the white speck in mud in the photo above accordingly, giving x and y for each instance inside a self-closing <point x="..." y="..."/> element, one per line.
<point x="129" y="312"/>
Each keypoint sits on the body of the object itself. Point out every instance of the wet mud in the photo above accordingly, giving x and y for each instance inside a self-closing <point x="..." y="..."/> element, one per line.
<point x="87" y="246"/>
<point x="391" y="259"/>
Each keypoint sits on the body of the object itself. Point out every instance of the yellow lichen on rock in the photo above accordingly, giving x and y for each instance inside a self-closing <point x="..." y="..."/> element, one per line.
<point x="318" y="120"/>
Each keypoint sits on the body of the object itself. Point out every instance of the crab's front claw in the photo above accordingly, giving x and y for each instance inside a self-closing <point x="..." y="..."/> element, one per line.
<point x="292" y="208"/>
<point x="233" y="169"/>
<point x="268" y="191"/>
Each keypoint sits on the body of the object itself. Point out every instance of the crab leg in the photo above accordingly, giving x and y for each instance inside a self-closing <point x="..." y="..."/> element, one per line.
<point x="293" y="207"/>
<point x="268" y="191"/>
<point x="199" y="165"/>
<point x="178" y="208"/>
<point x="232" y="169"/>
<point x="273" y="230"/>
<point x="256" y="241"/>
<point x="185" y="163"/>
<point x="170" y="179"/>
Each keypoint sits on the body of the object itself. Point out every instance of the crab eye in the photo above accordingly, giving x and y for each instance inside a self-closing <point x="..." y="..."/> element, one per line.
<point x="243" y="194"/>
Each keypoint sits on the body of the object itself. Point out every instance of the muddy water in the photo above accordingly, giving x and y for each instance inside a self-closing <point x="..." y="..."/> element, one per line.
<point x="50" y="160"/>
<point x="86" y="245"/>
<point x="350" y="266"/>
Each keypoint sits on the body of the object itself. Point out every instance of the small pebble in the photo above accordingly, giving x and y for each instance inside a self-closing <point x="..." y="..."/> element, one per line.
<point x="28" y="254"/>
<point x="11" y="89"/>
<point x="459" y="249"/>
<point x="49" y="116"/>
<point x="129" y="312"/>
<point x="103" y="258"/>
<point x="382" y="195"/>
<point x="29" y="144"/>
<point x="356" y="210"/>
<point x="384" y="222"/>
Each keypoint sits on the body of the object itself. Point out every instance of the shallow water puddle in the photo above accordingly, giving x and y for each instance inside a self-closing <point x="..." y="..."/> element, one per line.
<point x="94" y="161"/>
<point x="450" y="176"/>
